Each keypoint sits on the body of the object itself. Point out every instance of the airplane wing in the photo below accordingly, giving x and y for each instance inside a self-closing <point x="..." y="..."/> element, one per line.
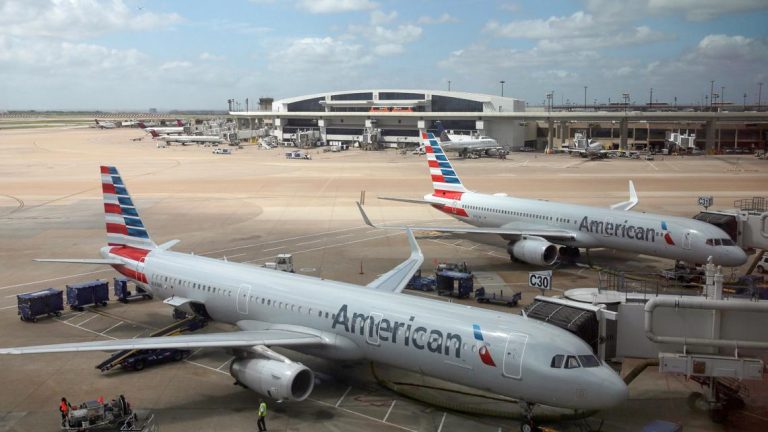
<point x="236" y="339"/>
<point x="81" y="261"/>
<point x="411" y="201"/>
<point x="552" y="234"/>
<point x="396" y="279"/>
<point x="629" y="204"/>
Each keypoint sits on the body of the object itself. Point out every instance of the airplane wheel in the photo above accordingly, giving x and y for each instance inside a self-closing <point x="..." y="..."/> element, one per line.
<point x="760" y="269"/>
<point x="177" y="356"/>
<point x="529" y="426"/>
<point x="139" y="365"/>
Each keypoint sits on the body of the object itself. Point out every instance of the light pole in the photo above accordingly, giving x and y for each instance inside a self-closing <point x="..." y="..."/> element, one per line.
<point x="711" y="93"/>
<point x="449" y="85"/>
<point x="722" y="95"/>
<point x="759" y="94"/>
<point x="585" y="98"/>
<point x="502" y="87"/>
<point x="745" y="100"/>
<point x="650" y="99"/>
<point x="626" y="101"/>
<point x="550" y="96"/>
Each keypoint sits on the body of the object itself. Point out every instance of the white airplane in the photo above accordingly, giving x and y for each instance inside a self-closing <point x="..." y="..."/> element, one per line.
<point x="104" y="125"/>
<point x="535" y="227"/>
<point x="178" y="129"/>
<point x="187" y="139"/>
<point x="464" y="144"/>
<point x="512" y="355"/>
<point x="587" y="148"/>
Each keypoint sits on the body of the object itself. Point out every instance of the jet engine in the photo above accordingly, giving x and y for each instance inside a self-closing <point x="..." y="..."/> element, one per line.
<point x="533" y="250"/>
<point x="284" y="381"/>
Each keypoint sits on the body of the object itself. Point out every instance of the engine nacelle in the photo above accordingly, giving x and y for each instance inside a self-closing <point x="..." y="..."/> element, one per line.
<point x="533" y="250"/>
<point x="276" y="379"/>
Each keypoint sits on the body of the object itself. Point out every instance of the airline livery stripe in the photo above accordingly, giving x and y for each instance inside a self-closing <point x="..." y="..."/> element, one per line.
<point x="120" y="190"/>
<point x="130" y="211"/>
<point x="428" y="149"/>
<point x="133" y="222"/>
<point x="433" y="164"/>
<point x="116" y="228"/>
<point x="441" y="158"/>
<point x="453" y="180"/>
<point x="438" y="178"/>
<point x="125" y="201"/>
<point x="107" y="188"/>
<point x="117" y="180"/>
<point x="112" y="208"/>
<point x="138" y="232"/>
<point x="448" y="194"/>
<point x="448" y="172"/>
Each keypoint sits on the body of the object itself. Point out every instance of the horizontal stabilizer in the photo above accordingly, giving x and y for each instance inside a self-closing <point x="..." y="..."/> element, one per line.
<point x="629" y="204"/>
<point x="168" y="245"/>
<point x="236" y="339"/>
<point x="410" y="201"/>
<point x="81" y="261"/>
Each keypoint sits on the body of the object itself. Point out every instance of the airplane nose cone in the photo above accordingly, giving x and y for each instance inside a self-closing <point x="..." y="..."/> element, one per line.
<point x="734" y="257"/>
<point x="613" y="391"/>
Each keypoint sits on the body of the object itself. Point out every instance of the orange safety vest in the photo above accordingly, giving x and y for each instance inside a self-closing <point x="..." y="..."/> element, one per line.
<point x="63" y="407"/>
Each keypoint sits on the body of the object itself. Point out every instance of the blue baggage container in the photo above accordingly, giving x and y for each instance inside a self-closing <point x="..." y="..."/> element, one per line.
<point x="95" y="293"/>
<point x="46" y="302"/>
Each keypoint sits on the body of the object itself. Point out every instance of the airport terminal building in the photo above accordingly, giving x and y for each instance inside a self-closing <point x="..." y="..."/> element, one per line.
<point x="393" y="119"/>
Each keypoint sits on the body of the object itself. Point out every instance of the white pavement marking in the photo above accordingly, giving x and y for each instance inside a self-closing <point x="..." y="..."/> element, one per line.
<point x="345" y="235"/>
<point x="283" y="240"/>
<point x="232" y="256"/>
<point x="362" y="415"/>
<point x="94" y="316"/>
<point x="652" y="165"/>
<point x="310" y="242"/>
<point x="439" y="428"/>
<point x="83" y="328"/>
<point x="274" y="248"/>
<point x="9" y="307"/>
<point x="207" y="367"/>
<point x="225" y="363"/>
<point x="389" y="411"/>
<point x="56" y="278"/>
<point x="325" y="247"/>
<point x="111" y="327"/>
<point x="343" y="396"/>
<point x="74" y="316"/>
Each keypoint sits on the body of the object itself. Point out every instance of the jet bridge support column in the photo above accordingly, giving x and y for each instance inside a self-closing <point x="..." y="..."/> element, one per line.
<point x="563" y="131"/>
<point x="711" y="129"/>
<point x="550" y="135"/>
<point x="623" y="134"/>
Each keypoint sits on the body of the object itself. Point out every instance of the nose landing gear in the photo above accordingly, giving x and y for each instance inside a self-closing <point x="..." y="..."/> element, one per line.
<point x="528" y="425"/>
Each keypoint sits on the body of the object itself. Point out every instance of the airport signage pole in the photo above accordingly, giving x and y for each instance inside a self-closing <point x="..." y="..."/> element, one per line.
<point x="541" y="280"/>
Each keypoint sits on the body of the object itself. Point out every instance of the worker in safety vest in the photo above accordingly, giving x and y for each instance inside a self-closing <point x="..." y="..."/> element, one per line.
<point x="64" y="408"/>
<point x="262" y="416"/>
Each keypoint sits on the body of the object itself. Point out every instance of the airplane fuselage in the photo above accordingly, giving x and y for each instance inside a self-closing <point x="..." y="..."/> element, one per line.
<point x="497" y="352"/>
<point x="593" y="227"/>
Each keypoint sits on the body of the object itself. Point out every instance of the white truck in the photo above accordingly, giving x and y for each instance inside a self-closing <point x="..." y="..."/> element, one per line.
<point x="284" y="262"/>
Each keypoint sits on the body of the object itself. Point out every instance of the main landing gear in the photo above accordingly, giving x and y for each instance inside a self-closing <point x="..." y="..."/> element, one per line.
<point x="528" y="425"/>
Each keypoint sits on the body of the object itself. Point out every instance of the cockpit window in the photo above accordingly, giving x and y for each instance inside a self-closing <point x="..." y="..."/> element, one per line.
<point x="727" y="242"/>
<point x="720" y="242"/>
<point x="571" y="362"/>
<point x="557" y="361"/>
<point x="589" y="361"/>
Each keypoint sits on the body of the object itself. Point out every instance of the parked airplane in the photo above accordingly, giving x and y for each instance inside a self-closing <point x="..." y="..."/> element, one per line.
<point x="535" y="227"/>
<point x="178" y="129"/>
<point x="187" y="139"/>
<point x="587" y="148"/>
<point x="511" y="355"/>
<point x="464" y="144"/>
<point x="104" y="125"/>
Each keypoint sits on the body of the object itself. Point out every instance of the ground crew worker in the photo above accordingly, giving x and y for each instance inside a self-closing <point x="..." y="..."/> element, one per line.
<point x="64" y="409"/>
<point x="262" y="415"/>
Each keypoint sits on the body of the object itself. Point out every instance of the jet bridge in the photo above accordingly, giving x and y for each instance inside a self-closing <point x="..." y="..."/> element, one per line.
<point x="746" y="223"/>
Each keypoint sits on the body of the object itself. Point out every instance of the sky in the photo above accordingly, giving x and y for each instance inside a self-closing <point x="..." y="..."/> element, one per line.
<point x="177" y="54"/>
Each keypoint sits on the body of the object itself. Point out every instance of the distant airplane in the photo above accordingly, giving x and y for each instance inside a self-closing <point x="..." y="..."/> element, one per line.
<point x="187" y="139"/>
<point x="464" y="144"/>
<point x="534" y="227"/>
<point x="512" y="355"/>
<point x="587" y="148"/>
<point x="179" y="129"/>
<point x="104" y="125"/>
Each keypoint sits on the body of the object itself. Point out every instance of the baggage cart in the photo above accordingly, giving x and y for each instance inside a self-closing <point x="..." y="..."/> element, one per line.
<point x="482" y="297"/>
<point x="94" y="292"/>
<point x="45" y="302"/>
<point x="123" y="294"/>
<point x="98" y="415"/>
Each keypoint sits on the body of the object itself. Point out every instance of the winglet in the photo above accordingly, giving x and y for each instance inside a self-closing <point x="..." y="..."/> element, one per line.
<point x="396" y="279"/>
<point x="168" y="245"/>
<point x="365" y="216"/>
<point x="633" y="199"/>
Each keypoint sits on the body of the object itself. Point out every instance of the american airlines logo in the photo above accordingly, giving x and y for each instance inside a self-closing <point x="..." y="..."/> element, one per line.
<point x="622" y="230"/>
<point x="396" y="332"/>
<point x="484" y="351"/>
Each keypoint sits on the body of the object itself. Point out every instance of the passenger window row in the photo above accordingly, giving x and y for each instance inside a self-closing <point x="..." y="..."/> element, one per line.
<point x="574" y="362"/>
<point x="516" y="213"/>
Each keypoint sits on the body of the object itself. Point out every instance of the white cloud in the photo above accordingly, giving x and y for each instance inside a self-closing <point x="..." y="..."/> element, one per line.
<point x="577" y="31"/>
<point x="378" y="17"/>
<point x="76" y="19"/>
<point x="210" y="57"/>
<point x="510" y="6"/>
<point x="335" y="6"/>
<point x="175" y="65"/>
<point x="445" y="18"/>
<point x="22" y="55"/>
<point x="388" y="41"/>
<point x="318" y="56"/>
<point x="693" y="10"/>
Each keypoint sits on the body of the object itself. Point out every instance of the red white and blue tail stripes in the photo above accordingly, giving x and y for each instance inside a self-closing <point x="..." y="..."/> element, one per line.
<point x="445" y="181"/>
<point x="124" y="226"/>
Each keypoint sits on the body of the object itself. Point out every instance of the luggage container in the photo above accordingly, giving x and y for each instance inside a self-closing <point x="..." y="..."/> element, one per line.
<point x="95" y="293"/>
<point x="124" y="295"/>
<point x="46" y="302"/>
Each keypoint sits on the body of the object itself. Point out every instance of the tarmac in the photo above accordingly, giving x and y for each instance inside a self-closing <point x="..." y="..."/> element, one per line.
<point x="254" y="204"/>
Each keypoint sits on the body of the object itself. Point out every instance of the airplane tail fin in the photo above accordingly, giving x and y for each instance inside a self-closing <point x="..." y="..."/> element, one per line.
<point x="154" y="133"/>
<point x="445" y="181"/>
<point x="441" y="132"/>
<point x="142" y="125"/>
<point x="96" y="120"/>
<point x="179" y="123"/>
<point x="124" y="226"/>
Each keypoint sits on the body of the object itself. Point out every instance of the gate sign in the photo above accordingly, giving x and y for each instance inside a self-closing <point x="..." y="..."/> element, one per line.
<point x="706" y="201"/>
<point x="541" y="280"/>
